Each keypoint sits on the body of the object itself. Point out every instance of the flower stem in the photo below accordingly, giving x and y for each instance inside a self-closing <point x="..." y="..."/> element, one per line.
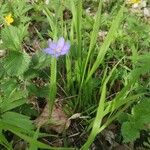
<point x="53" y="87"/>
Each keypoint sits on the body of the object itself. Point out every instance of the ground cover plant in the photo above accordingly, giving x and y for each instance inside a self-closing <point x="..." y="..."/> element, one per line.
<point x="74" y="74"/>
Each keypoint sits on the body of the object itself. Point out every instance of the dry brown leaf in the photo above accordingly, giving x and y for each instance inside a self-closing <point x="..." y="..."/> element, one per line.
<point x="58" y="120"/>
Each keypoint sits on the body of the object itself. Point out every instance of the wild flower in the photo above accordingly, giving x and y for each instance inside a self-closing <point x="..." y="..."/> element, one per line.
<point x="134" y="1"/>
<point x="57" y="48"/>
<point x="9" y="20"/>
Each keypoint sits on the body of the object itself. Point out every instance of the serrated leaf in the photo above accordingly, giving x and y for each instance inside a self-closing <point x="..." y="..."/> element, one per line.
<point x="2" y="70"/>
<point x="39" y="91"/>
<point x="12" y="37"/>
<point x="27" y="110"/>
<point x="142" y="110"/>
<point x="16" y="63"/>
<point x="8" y="85"/>
<point x="123" y="117"/>
<point x="141" y="113"/>
<point x="139" y="117"/>
<point x="31" y="73"/>
<point x="129" y="132"/>
<point x="40" y="60"/>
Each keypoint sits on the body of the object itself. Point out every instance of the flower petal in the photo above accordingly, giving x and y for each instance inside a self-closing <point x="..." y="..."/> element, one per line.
<point x="49" y="51"/>
<point x="65" y="48"/>
<point x="52" y="45"/>
<point x="60" y="44"/>
<point x="57" y="55"/>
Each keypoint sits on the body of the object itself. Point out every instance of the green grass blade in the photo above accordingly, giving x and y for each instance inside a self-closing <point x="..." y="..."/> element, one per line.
<point x="115" y="104"/>
<point x="69" y="73"/>
<point x="109" y="38"/>
<point x="79" y="26"/>
<point x="93" y="38"/>
<point x="97" y="121"/>
<point x="4" y="142"/>
<point x="35" y="137"/>
<point x="29" y="139"/>
<point x="49" y="18"/>
<point x="77" y="20"/>
<point x="100" y="111"/>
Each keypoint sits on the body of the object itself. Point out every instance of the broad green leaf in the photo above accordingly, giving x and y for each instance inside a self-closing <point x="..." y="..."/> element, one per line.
<point x="123" y="117"/>
<point x="29" y="139"/>
<point x="39" y="91"/>
<point x="2" y="70"/>
<point x="129" y="132"/>
<point x="8" y="85"/>
<point x="12" y="37"/>
<point x="15" y="99"/>
<point x="18" y="120"/>
<point x="40" y="60"/>
<point x="139" y="117"/>
<point x="16" y="63"/>
<point x="141" y="112"/>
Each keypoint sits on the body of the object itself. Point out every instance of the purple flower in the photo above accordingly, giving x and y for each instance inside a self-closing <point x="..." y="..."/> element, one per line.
<point x="57" y="48"/>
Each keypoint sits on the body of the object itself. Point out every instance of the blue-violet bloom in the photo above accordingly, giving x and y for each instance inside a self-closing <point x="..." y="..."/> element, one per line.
<point x="57" y="48"/>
